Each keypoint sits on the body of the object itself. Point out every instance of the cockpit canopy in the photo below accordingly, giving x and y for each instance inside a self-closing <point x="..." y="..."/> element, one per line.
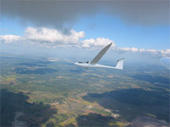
<point x="83" y="62"/>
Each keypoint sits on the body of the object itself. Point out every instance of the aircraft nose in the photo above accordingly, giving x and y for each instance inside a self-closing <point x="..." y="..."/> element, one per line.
<point x="76" y="63"/>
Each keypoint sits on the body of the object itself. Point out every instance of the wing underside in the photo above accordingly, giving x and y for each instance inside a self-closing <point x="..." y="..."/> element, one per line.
<point x="100" y="54"/>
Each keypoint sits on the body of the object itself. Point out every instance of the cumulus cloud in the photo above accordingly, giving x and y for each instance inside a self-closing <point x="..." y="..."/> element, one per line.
<point x="129" y="49"/>
<point x="133" y="49"/>
<point x="60" y="12"/>
<point x="9" y="38"/>
<point x="96" y="42"/>
<point x="55" y="37"/>
<point x="52" y="35"/>
<point x="47" y="36"/>
<point x="165" y="52"/>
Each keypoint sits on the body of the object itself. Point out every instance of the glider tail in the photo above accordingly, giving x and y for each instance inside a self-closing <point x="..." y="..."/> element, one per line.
<point x="119" y="64"/>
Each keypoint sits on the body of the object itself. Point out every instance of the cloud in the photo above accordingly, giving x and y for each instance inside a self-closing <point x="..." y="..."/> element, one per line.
<point x="45" y="35"/>
<point x="141" y="50"/>
<point x="52" y="38"/>
<point x="52" y="35"/>
<point x="96" y="42"/>
<point x="56" y="37"/>
<point x="165" y="52"/>
<point x="129" y="49"/>
<point x="9" y="38"/>
<point x="58" y="13"/>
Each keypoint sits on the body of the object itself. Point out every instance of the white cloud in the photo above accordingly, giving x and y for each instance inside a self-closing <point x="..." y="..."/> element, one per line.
<point x="97" y="42"/>
<point x="52" y="35"/>
<point x="165" y="52"/>
<point x="129" y="49"/>
<point x="45" y="35"/>
<point x="9" y="38"/>
<point x="55" y="37"/>
<point x="48" y="36"/>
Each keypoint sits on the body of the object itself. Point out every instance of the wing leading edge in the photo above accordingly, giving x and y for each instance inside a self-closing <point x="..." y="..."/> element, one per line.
<point x="100" y="54"/>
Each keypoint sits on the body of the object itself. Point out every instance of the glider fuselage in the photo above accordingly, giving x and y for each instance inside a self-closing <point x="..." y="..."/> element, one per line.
<point x="93" y="65"/>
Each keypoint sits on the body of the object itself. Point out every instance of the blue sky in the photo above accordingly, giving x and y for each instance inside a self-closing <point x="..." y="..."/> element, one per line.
<point x="124" y="34"/>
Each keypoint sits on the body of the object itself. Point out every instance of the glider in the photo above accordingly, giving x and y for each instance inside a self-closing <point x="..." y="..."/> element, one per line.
<point x="93" y="63"/>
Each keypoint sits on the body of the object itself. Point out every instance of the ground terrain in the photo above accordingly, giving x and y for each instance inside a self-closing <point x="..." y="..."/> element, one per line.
<point x="37" y="92"/>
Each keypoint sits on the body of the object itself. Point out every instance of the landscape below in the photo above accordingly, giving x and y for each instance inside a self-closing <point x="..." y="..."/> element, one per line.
<point x="36" y="92"/>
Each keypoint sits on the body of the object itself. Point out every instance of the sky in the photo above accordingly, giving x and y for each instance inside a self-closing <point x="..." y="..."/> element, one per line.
<point x="125" y="35"/>
<point x="137" y="26"/>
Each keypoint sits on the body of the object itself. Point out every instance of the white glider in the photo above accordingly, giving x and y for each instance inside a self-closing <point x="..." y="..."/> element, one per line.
<point x="93" y="63"/>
